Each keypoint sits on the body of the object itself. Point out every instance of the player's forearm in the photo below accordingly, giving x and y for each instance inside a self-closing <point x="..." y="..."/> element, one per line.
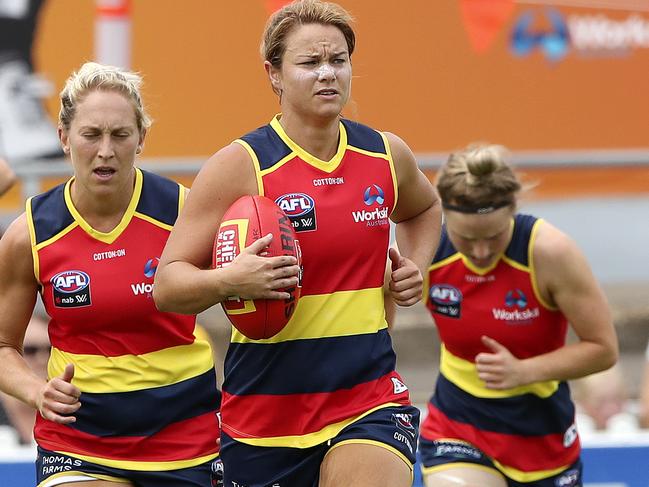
<point x="643" y="414"/>
<point x="570" y="362"/>
<point x="7" y="177"/>
<point x="181" y="287"/>
<point x="16" y="378"/>
<point x="417" y="237"/>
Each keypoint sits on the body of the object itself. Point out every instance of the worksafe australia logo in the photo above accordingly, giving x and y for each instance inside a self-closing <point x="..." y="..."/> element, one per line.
<point x="516" y="310"/>
<point x="555" y="31"/>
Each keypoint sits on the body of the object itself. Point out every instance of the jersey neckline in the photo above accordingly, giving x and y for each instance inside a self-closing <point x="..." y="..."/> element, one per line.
<point x="106" y="237"/>
<point x="326" y="166"/>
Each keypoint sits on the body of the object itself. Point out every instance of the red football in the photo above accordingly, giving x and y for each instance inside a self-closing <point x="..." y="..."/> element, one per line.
<point x="248" y="219"/>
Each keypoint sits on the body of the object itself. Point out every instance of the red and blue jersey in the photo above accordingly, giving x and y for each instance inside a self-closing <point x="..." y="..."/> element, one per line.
<point x="529" y="430"/>
<point x="148" y="386"/>
<point x="333" y="362"/>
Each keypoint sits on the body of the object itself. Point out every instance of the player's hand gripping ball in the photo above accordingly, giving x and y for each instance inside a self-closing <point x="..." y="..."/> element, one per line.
<point x="248" y="219"/>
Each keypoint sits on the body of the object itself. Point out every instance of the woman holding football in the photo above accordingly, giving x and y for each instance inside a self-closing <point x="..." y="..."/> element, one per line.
<point x="503" y="288"/>
<point x="320" y="403"/>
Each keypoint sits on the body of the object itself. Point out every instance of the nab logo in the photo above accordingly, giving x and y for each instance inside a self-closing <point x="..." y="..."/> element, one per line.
<point x="516" y="298"/>
<point x="295" y="204"/>
<point x="445" y="294"/>
<point x="373" y="194"/>
<point x="300" y="208"/>
<point x="151" y="266"/>
<point x="70" y="281"/>
<point x="71" y="289"/>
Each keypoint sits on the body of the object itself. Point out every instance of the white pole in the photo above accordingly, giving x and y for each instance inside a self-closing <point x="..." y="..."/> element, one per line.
<point x="113" y="32"/>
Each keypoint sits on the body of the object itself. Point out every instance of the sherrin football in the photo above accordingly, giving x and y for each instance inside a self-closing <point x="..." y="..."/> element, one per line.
<point x="248" y="219"/>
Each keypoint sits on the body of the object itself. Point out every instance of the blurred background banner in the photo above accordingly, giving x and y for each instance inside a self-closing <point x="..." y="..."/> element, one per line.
<point x="542" y="75"/>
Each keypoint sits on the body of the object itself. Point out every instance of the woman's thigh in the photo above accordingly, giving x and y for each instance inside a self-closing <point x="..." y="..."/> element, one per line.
<point x="364" y="465"/>
<point x="465" y="476"/>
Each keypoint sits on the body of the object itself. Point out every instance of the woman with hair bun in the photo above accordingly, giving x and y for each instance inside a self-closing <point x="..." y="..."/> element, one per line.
<point x="502" y="289"/>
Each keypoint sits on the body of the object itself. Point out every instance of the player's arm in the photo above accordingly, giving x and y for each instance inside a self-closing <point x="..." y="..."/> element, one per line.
<point x="388" y="303"/>
<point x="58" y="398"/>
<point x="566" y="281"/>
<point x="643" y="413"/>
<point x="572" y="288"/>
<point x="184" y="283"/>
<point x="7" y="177"/>
<point x="418" y="218"/>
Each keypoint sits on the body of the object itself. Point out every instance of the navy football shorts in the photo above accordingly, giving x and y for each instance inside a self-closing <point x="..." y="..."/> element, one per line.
<point x="394" y="428"/>
<point x="55" y="468"/>
<point x="435" y="455"/>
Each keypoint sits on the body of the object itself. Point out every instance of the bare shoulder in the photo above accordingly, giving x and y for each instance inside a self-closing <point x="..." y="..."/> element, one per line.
<point x="16" y="262"/>
<point x="559" y="262"/>
<point x="16" y="239"/>
<point x="7" y="176"/>
<point x="393" y="139"/>
<point x="416" y="194"/>
<point x="226" y="176"/>
<point x="5" y="168"/>
<point x="231" y="160"/>
<point x="405" y="164"/>
<point x="399" y="149"/>
<point x="18" y="285"/>
<point x="553" y="247"/>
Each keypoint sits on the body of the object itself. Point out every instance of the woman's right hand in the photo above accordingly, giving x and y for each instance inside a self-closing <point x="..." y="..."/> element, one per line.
<point x="255" y="276"/>
<point x="58" y="399"/>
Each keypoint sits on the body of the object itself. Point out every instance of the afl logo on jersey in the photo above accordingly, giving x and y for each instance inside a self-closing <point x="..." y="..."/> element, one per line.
<point x="70" y="281"/>
<point x="445" y="300"/>
<point x="445" y="294"/>
<point x="300" y="208"/>
<point x="71" y="289"/>
<point x="295" y="204"/>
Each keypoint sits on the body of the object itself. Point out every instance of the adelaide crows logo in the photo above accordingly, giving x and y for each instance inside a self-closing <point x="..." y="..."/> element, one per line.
<point x="373" y="194"/>
<point x="517" y="298"/>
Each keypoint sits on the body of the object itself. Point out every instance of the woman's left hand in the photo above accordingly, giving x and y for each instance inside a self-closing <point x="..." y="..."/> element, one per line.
<point x="406" y="282"/>
<point x="499" y="369"/>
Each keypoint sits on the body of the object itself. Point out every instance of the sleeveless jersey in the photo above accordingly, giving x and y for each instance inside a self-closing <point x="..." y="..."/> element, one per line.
<point x="529" y="430"/>
<point x="148" y="386"/>
<point x="333" y="362"/>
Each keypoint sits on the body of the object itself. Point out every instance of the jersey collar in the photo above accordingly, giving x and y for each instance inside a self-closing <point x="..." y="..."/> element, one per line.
<point x="106" y="237"/>
<point x="326" y="166"/>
